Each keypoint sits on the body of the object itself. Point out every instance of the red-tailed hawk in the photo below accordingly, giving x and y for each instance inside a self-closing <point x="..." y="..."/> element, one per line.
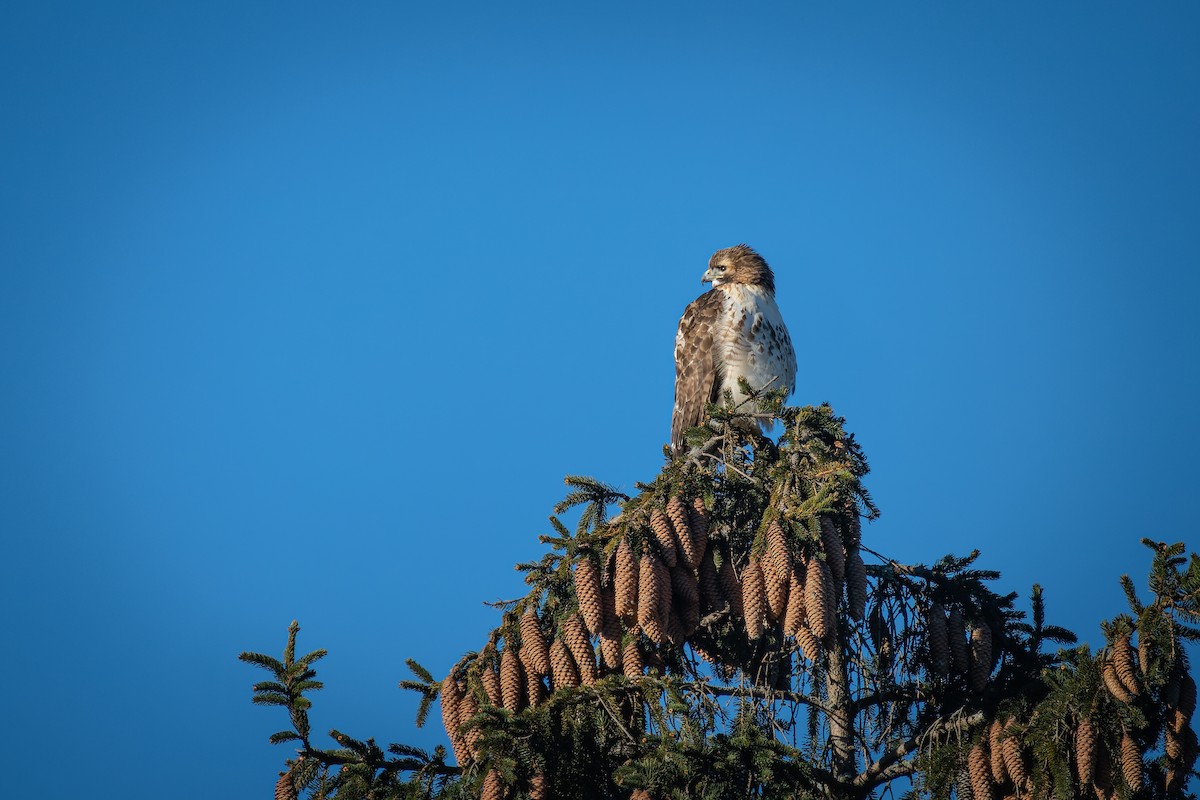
<point x="732" y="331"/>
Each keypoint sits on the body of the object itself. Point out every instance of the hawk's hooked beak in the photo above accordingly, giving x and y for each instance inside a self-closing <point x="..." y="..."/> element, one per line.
<point x="708" y="276"/>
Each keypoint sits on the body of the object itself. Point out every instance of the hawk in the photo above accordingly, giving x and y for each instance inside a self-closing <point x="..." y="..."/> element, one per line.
<point x="732" y="331"/>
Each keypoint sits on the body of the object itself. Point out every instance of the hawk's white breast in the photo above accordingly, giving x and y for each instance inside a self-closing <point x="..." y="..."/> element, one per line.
<point x="754" y="343"/>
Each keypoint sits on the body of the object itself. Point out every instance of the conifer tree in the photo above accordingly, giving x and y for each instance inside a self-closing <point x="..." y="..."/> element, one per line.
<point x="729" y="634"/>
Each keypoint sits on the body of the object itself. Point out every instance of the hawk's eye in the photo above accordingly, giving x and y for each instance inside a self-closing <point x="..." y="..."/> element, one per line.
<point x="721" y="267"/>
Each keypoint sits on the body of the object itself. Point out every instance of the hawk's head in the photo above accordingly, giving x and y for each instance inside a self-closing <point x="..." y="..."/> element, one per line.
<point x="739" y="264"/>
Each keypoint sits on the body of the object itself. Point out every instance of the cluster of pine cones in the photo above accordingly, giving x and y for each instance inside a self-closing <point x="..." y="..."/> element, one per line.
<point x="952" y="648"/>
<point x="997" y="766"/>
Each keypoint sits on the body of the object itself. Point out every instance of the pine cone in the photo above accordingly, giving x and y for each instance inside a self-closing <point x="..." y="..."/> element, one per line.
<point x="512" y="680"/>
<point x="1131" y="762"/>
<point x="819" y="600"/>
<point x="610" y="645"/>
<point x="675" y="631"/>
<point x="698" y="522"/>
<point x="490" y="680"/>
<point x="835" y="553"/>
<point x="776" y="564"/>
<point x="710" y="585"/>
<point x="537" y="787"/>
<point x="664" y="534"/>
<point x="938" y="639"/>
<point x="535" y="656"/>
<point x="981" y="656"/>
<point x="856" y="585"/>
<point x="535" y="689"/>
<point x="1187" y="702"/>
<point x="1085" y="752"/>
<point x="810" y="645"/>
<point x="580" y="645"/>
<point x="754" y="599"/>
<point x="632" y="663"/>
<point x="980" y="770"/>
<point x="587" y="590"/>
<point x="731" y="587"/>
<point x="685" y="597"/>
<point x="654" y="599"/>
<point x="1014" y="758"/>
<point x="640" y="794"/>
<point x="794" y="617"/>
<point x="563" y="672"/>
<point x="493" y="786"/>
<point x="468" y="707"/>
<point x="996" y="751"/>
<point x="957" y="629"/>
<point x="777" y="597"/>
<point x="450" y="696"/>
<point x="677" y="512"/>
<point x="285" y="789"/>
<point x="1122" y="654"/>
<point x="625" y="582"/>
<point x="1113" y="684"/>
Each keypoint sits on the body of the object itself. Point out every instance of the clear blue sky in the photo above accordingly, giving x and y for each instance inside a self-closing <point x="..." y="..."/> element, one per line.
<point x="306" y="309"/>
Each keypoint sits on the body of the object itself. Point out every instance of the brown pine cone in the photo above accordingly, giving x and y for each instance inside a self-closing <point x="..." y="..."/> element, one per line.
<point x="490" y="679"/>
<point x="996" y="751"/>
<point x="535" y="689"/>
<point x="632" y="663"/>
<point x="677" y="512"/>
<point x="587" y="590"/>
<point x="794" y="616"/>
<point x="731" y="587"/>
<point x="512" y="680"/>
<point x="819" y="600"/>
<point x="1014" y="758"/>
<point x="957" y="628"/>
<point x="468" y="707"/>
<point x="810" y="645"/>
<point x="856" y="585"/>
<point x="776" y="565"/>
<point x="754" y="599"/>
<point x="535" y="656"/>
<point x="610" y="645"/>
<point x="563" y="672"/>
<point x="493" y="786"/>
<point x="451" y="695"/>
<point x="1085" y="752"/>
<point x="664" y="534"/>
<point x="777" y="597"/>
<point x="640" y="794"/>
<point x="580" y="645"/>
<point x="1131" y="762"/>
<point x="980" y="769"/>
<point x="1122" y="655"/>
<point x="685" y="597"/>
<point x="835" y="553"/>
<point x="625" y="582"/>
<point x="537" y="787"/>
<point x="1113" y="684"/>
<point x="675" y="632"/>
<point x="654" y="600"/>
<point x="285" y="789"/>
<point x="937" y="637"/>
<point x="1187" y="702"/>
<point x="710" y="585"/>
<point x="981" y="656"/>
<point x="698" y="522"/>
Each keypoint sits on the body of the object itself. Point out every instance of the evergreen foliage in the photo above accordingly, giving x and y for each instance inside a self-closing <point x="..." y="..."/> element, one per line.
<point x="722" y="636"/>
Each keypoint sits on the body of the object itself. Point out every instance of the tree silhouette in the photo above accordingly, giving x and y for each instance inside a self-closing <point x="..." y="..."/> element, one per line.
<point x="728" y="634"/>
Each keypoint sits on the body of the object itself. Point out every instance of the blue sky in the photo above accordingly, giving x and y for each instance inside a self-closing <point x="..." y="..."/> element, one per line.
<point x="306" y="310"/>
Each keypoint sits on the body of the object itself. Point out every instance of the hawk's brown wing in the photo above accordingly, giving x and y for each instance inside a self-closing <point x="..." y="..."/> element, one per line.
<point x="696" y="368"/>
